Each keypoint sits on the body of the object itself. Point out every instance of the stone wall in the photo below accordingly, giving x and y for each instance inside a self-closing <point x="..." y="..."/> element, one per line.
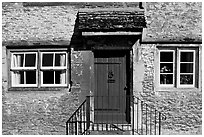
<point x="48" y="23"/>
<point x="182" y="108"/>
<point x="37" y="112"/>
<point x="173" y="22"/>
<point x="45" y="112"/>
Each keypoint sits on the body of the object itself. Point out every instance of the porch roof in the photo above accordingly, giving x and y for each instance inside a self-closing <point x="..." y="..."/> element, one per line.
<point x="111" y="19"/>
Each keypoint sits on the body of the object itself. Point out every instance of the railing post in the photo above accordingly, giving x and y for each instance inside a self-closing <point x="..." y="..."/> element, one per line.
<point x="137" y="114"/>
<point x="141" y="117"/>
<point x="88" y="111"/>
<point x="155" y="122"/>
<point x="146" y="120"/>
<point x="159" y="123"/>
<point x="133" y="114"/>
<point x="66" y="128"/>
<point x="76" y="128"/>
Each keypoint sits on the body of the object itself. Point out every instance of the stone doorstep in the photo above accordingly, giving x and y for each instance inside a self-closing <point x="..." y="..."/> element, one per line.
<point x="110" y="129"/>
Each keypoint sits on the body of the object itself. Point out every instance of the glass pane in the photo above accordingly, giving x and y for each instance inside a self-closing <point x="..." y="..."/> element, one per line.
<point x="166" y="67"/>
<point x="60" y="77"/>
<point x="166" y="79"/>
<point x="186" y="57"/>
<point x="186" y="79"/>
<point x="47" y="60"/>
<point x="30" y="60"/>
<point x="186" y="68"/>
<point x="48" y="77"/>
<point x="18" y="60"/>
<point x="18" y="77"/>
<point x="60" y="59"/>
<point x="166" y="56"/>
<point x="30" y="77"/>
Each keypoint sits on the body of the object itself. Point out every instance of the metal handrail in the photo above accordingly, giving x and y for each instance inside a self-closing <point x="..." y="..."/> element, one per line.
<point x="78" y="123"/>
<point x="76" y="110"/>
<point x="146" y="119"/>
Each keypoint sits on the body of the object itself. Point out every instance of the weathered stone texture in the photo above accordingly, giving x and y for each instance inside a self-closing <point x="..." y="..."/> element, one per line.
<point x="173" y="21"/>
<point x="76" y="67"/>
<point x="38" y="113"/>
<point x="146" y="53"/>
<point x="54" y="23"/>
<point x="45" y="112"/>
<point x="183" y="110"/>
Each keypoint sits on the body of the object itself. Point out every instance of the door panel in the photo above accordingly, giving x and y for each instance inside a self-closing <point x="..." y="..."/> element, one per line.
<point x="110" y="96"/>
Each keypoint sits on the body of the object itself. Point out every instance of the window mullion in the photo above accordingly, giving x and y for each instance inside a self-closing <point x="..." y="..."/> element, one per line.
<point x="54" y="66"/>
<point x="24" y="71"/>
<point x="194" y="68"/>
<point x="38" y="63"/>
<point x="177" y="62"/>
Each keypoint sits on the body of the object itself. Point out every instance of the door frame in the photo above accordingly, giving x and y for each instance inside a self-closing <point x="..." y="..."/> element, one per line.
<point x="129" y="77"/>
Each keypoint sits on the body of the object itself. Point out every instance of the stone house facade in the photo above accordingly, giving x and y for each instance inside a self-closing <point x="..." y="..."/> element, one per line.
<point x="52" y="55"/>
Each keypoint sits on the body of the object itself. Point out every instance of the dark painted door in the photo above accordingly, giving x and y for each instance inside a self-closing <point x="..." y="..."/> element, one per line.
<point x="110" y="83"/>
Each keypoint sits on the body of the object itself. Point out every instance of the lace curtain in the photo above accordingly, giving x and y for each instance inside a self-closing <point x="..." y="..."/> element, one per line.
<point x="63" y="73"/>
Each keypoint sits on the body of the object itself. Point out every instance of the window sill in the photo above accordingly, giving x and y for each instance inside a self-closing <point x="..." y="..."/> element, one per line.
<point x="39" y="89"/>
<point x="178" y="89"/>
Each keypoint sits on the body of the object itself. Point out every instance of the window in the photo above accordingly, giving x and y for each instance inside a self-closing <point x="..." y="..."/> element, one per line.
<point x="167" y="68"/>
<point x="177" y="68"/>
<point x="39" y="69"/>
<point x="53" y="69"/>
<point x="23" y="69"/>
<point x="187" y="68"/>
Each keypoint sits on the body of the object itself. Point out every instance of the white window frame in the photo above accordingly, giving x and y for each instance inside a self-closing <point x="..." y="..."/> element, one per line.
<point x="167" y="85"/>
<point x="24" y="69"/>
<point x="53" y="68"/>
<point x="186" y="85"/>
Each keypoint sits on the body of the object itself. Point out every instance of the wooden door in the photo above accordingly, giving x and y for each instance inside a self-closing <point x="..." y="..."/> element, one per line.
<point x="110" y="83"/>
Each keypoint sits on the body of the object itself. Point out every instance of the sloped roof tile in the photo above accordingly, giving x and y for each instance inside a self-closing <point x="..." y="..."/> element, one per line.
<point x="112" y="19"/>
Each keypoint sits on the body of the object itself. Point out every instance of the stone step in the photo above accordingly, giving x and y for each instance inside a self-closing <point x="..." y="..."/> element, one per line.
<point x="110" y="129"/>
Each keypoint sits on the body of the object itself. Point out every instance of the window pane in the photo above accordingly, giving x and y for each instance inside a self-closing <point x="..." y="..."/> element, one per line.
<point x="166" y="67"/>
<point x="60" y="77"/>
<point x="186" y="57"/>
<point x="47" y="60"/>
<point x="166" y="79"/>
<point x="48" y="77"/>
<point x="186" y="79"/>
<point x="18" y="60"/>
<point x="30" y="77"/>
<point x="30" y="60"/>
<point x="166" y="56"/>
<point x="18" y="77"/>
<point x="60" y="59"/>
<point x="186" y="68"/>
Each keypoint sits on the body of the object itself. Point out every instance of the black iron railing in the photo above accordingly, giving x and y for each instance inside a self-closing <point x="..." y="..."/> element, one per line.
<point x="79" y="122"/>
<point x="147" y="120"/>
<point x="115" y="113"/>
<point x="110" y="113"/>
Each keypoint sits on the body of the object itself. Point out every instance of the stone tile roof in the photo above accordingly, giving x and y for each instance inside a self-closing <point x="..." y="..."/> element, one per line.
<point x="111" y="19"/>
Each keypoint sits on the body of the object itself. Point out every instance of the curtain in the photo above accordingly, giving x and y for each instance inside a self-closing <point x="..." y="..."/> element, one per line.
<point x="17" y="61"/>
<point x="63" y="77"/>
<point x="63" y="73"/>
<point x="62" y="60"/>
<point x="16" y="78"/>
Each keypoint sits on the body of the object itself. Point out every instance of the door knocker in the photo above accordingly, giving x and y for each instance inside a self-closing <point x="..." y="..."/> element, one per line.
<point x="110" y="74"/>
